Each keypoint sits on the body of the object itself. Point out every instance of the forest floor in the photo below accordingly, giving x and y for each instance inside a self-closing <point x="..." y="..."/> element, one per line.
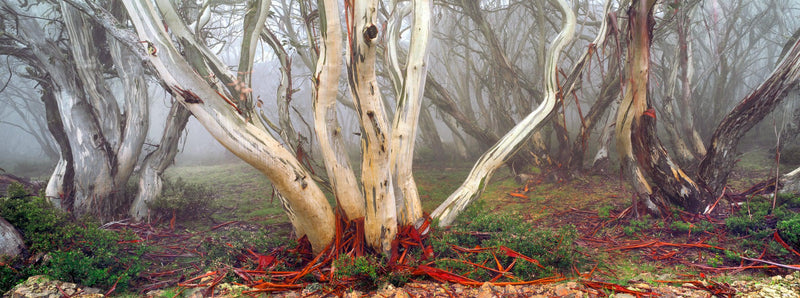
<point x="614" y="251"/>
<point x="625" y="254"/>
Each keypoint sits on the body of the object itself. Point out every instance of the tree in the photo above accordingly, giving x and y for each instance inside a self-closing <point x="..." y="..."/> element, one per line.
<point x="386" y="149"/>
<point x="100" y="142"/>
<point x="646" y="162"/>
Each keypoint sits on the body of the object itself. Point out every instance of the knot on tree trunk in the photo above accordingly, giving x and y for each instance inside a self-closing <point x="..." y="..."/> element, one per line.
<point x="370" y="33"/>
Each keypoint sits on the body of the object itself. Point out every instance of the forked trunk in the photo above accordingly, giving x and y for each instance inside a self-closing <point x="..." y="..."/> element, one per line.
<point x="306" y="204"/>
<point x="639" y="147"/>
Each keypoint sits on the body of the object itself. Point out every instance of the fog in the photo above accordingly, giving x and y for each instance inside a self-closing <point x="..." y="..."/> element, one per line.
<point x="493" y="76"/>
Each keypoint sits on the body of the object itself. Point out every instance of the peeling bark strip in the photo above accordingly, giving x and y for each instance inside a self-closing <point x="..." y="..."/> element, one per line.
<point x="718" y="163"/>
<point x="380" y="222"/>
<point x="496" y="156"/>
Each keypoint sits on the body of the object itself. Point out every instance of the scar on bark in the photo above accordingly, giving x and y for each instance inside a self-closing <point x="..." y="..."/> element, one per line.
<point x="188" y="96"/>
<point x="370" y="33"/>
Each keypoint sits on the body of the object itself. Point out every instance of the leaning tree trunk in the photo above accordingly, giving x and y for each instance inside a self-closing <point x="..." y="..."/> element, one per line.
<point x="640" y="150"/>
<point x="306" y="204"/>
<point x="156" y="162"/>
<point x="720" y="159"/>
<point x="496" y="155"/>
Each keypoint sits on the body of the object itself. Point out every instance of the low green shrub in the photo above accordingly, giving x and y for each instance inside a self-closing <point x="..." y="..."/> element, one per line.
<point x="555" y="250"/>
<point x="687" y="227"/>
<point x="364" y="269"/>
<point x="636" y="226"/>
<point x="41" y="225"/>
<point x="226" y="246"/>
<point x="185" y="201"/>
<point x="789" y="230"/>
<point x="78" y="252"/>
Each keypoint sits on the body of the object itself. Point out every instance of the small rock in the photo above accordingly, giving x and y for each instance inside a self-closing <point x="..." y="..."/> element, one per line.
<point x="400" y="293"/>
<point x="777" y="278"/>
<point x="510" y="290"/>
<point x="41" y="286"/>
<point x="623" y="295"/>
<point x="789" y="277"/>
<point x="352" y="294"/>
<point x="563" y="291"/>
<point x="458" y="289"/>
<point x="485" y="291"/>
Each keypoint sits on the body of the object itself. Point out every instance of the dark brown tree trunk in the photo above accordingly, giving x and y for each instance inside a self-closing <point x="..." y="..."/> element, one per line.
<point x="721" y="156"/>
<point x="640" y="149"/>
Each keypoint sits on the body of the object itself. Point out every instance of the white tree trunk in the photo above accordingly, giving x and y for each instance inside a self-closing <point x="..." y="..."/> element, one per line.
<point x="791" y="182"/>
<point x="98" y="95"/>
<point x="409" y="102"/>
<point x="508" y="144"/>
<point x="254" y="22"/>
<point x="349" y="197"/>
<point x="137" y="118"/>
<point x="55" y="185"/>
<point x="245" y="140"/>
<point x="92" y="167"/>
<point x="380" y="222"/>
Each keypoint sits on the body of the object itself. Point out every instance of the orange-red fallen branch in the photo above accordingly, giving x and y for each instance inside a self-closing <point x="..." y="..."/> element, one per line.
<point x="784" y="244"/>
<point x="408" y="251"/>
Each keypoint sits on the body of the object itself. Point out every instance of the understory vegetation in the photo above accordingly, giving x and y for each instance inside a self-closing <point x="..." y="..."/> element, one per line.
<point x="575" y="229"/>
<point x="76" y="251"/>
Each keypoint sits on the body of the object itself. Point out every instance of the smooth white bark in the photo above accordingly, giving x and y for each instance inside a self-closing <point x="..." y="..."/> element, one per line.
<point x="156" y="162"/>
<point x="409" y="102"/>
<point x="791" y="182"/>
<point x="508" y="144"/>
<point x="313" y="215"/>
<point x="11" y="242"/>
<point x="380" y="222"/>
<point x="326" y="123"/>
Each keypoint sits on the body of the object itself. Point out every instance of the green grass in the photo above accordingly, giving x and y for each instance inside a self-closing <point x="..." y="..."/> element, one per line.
<point x="242" y="193"/>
